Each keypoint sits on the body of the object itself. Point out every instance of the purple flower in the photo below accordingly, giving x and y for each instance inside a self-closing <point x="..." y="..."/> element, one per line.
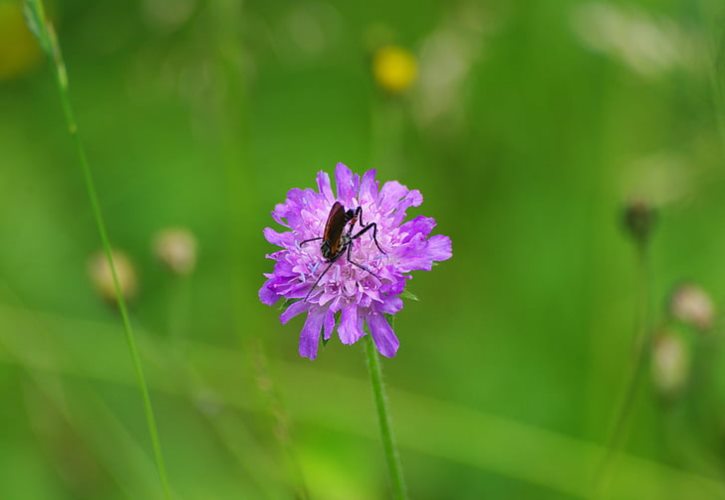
<point x="360" y="296"/>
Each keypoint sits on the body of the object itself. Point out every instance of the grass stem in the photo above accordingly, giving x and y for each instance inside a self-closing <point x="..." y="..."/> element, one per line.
<point x="642" y="341"/>
<point x="46" y="34"/>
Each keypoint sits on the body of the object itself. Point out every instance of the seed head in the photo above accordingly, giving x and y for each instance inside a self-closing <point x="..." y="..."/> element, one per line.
<point x="176" y="248"/>
<point x="639" y="220"/>
<point x="693" y="306"/>
<point x="670" y="363"/>
<point x="99" y="272"/>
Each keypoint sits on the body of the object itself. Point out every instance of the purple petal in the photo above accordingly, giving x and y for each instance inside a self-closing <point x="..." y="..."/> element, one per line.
<point x="347" y="184"/>
<point x="390" y="194"/>
<point x="286" y="214"/>
<point x="440" y="248"/>
<point x="324" y="186"/>
<point x="267" y="296"/>
<point x="329" y="323"/>
<point x="383" y="336"/>
<point x="412" y="199"/>
<point x="293" y="310"/>
<point x="418" y="225"/>
<point x="368" y="188"/>
<point x="280" y="239"/>
<point x="419" y="253"/>
<point x="391" y="305"/>
<point x="310" y="335"/>
<point x="350" y="329"/>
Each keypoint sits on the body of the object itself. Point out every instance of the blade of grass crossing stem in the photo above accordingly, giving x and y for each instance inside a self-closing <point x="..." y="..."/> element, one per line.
<point x="39" y="25"/>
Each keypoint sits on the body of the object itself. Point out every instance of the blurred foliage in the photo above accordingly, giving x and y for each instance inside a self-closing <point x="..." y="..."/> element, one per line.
<point x="529" y="127"/>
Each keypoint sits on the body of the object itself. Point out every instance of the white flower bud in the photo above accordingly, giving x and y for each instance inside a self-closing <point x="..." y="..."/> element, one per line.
<point x="670" y="363"/>
<point x="99" y="272"/>
<point x="693" y="306"/>
<point x="176" y="248"/>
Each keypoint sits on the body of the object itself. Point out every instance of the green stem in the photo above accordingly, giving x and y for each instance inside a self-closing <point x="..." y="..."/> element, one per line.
<point x="642" y="342"/>
<point x="49" y="40"/>
<point x="391" y="451"/>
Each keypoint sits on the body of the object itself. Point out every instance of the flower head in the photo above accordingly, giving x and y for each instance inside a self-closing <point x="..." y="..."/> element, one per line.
<point x="670" y="363"/>
<point x="348" y="296"/>
<point x="101" y="276"/>
<point x="176" y="248"/>
<point x="693" y="306"/>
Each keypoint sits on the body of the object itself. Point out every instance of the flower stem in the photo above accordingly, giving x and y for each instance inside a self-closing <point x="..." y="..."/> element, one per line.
<point x="46" y="34"/>
<point x="642" y="342"/>
<point x="391" y="451"/>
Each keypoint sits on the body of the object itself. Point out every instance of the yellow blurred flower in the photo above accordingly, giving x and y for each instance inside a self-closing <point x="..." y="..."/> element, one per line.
<point x="395" y="69"/>
<point x="19" y="51"/>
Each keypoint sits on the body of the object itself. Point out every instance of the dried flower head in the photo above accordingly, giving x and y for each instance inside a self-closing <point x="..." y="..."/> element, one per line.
<point x="395" y="69"/>
<point x="693" y="306"/>
<point x="639" y="220"/>
<point x="176" y="249"/>
<point x="670" y="363"/>
<point x="101" y="277"/>
<point x="362" y="291"/>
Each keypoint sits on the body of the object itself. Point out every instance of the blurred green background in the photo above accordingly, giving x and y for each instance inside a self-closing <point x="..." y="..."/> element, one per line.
<point x="529" y="126"/>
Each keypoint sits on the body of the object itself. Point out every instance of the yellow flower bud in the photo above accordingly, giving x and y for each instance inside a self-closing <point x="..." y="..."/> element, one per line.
<point x="395" y="69"/>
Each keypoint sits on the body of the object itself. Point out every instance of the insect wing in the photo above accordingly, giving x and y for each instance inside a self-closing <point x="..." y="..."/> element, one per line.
<point x="336" y="222"/>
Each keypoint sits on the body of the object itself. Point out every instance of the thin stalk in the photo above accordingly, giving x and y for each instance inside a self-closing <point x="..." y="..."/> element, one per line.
<point x="48" y="39"/>
<point x="387" y="124"/>
<point x="642" y="342"/>
<point x="392" y="457"/>
<point x="226" y="22"/>
<point x="280" y="418"/>
<point x="179" y="307"/>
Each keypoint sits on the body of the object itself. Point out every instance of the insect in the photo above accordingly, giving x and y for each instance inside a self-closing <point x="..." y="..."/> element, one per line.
<point x="335" y="240"/>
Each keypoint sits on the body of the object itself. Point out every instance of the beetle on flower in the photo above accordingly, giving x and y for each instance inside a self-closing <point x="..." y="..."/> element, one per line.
<point x="365" y="285"/>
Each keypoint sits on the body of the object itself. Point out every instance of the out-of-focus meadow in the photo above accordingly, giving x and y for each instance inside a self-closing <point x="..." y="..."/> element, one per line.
<point x="529" y="127"/>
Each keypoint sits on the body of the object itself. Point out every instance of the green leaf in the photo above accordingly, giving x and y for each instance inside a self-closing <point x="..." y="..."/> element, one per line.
<point x="409" y="295"/>
<point x="391" y="320"/>
<point x="35" y="19"/>
<point x="286" y="302"/>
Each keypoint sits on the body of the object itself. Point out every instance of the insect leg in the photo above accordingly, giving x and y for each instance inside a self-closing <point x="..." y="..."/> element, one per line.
<point x="360" y="266"/>
<point x="358" y="215"/>
<point x="364" y="230"/>
<point x="318" y="280"/>
<point x="307" y="241"/>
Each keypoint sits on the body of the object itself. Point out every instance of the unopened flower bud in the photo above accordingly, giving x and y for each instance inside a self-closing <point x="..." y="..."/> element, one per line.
<point x="395" y="69"/>
<point x="176" y="249"/>
<point x="639" y="220"/>
<point x="101" y="276"/>
<point x="670" y="363"/>
<point x="693" y="306"/>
